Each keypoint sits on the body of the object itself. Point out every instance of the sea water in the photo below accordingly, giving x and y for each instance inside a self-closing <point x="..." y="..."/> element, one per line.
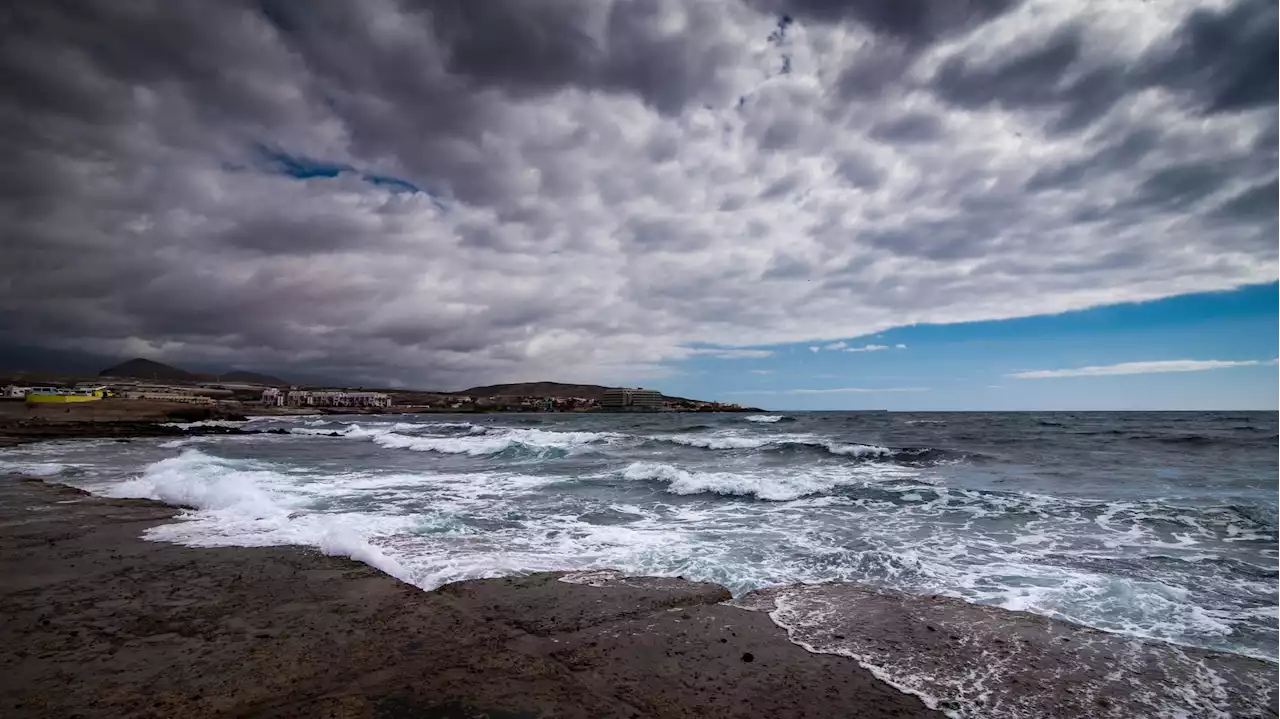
<point x="1157" y="525"/>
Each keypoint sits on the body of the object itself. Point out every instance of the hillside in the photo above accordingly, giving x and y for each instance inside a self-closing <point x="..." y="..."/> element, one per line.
<point x="139" y="368"/>
<point x="543" y="389"/>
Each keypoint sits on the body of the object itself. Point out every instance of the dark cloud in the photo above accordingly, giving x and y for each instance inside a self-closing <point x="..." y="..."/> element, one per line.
<point x="912" y="20"/>
<point x="449" y="192"/>
<point x="1034" y="76"/>
<point x="1225" y="60"/>
<point x="859" y="170"/>
<point x="875" y="67"/>
<point x="901" y="30"/>
<point x="782" y="134"/>
<point x="445" y="48"/>
<point x="1056" y="74"/>
<point x="1109" y="159"/>
<point x="1256" y="204"/>
<point x="1181" y="185"/>
<point x="909" y="128"/>
<point x="788" y="267"/>
<point x="1228" y="59"/>
<point x="659" y="234"/>
<point x="296" y="235"/>
<point x="512" y="44"/>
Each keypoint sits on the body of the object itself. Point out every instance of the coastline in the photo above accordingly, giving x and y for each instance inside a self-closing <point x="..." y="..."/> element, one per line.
<point x="97" y="614"/>
<point x="100" y="622"/>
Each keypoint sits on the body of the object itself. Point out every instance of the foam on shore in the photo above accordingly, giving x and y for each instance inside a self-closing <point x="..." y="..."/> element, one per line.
<point x="240" y="503"/>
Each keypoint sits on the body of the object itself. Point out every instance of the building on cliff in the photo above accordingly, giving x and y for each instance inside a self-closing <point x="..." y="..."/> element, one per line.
<point x="273" y="397"/>
<point x="631" y="399"/>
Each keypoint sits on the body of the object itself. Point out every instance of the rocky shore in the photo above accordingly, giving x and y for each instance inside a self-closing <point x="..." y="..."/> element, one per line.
<point x="21" y="422"/>
<point x="100" y="623"/>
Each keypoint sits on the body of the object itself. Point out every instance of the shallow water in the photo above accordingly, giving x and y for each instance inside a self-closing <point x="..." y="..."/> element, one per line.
<point x="1158" y="525"/>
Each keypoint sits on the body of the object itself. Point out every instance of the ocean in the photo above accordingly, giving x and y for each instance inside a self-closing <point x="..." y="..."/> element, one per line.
<point x="1157" y="525"/>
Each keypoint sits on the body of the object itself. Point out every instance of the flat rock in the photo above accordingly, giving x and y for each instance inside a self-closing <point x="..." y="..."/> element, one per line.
<point x="982" y="661"/>
<point x="99" y="622"/>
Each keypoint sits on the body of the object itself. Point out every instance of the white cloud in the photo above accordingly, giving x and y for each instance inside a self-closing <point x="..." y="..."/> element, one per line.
<point x="730" y="354"/>
<point x="1124" y="368"/>
<point x="836" y="346"/>
<point x="815" y="349"/>
<point x="761" y="371"/>
<point x="835" y="390"/>
<point x="856" y="390"/>
<point x="899" y="347"/>
<point x="868" y="348"/>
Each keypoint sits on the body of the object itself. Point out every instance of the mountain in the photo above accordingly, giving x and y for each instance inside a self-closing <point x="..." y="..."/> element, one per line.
<point x="252" y="378"/>
<point x="149" y="369"/>
<point x="543" y="389"/>
<point x="139" y="368"/>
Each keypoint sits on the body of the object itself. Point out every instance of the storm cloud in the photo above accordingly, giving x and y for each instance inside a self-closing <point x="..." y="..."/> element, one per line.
<point x="444" y="193"/>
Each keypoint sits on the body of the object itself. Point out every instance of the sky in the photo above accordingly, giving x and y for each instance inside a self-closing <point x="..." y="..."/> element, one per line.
<point x="961" y="204"/>
<point x="1208" y="351"/>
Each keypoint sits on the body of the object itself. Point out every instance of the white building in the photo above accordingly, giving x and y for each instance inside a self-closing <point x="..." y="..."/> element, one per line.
<point x="324" y="398"/>
<point x="165" y="393"/>
<point x="627" y="398"/>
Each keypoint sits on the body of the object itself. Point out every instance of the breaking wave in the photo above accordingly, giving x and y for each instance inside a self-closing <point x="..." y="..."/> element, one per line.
<point x="478" y="441"/>
<point x="224" y="423"/>
<point x="1047" y="523"/>
<point x="475" y="440"/>
<point x="778" y="486"/>
<point x="246" y="503"/>
<point x="782" y="443"/>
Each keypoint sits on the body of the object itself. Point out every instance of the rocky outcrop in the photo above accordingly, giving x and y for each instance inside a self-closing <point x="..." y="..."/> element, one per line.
<point x="101" y="623"/>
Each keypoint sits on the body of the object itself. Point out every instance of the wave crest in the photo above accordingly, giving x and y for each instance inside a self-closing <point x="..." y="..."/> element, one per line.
<point x="800" y="442"/>
<point x="246" y="503"/>
<point x="771" y="486"/>
<point x="478" y="441"/>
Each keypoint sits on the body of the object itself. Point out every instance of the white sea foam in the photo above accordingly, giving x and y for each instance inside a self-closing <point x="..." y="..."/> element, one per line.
<point x="989" y="674"/>
<point x="479" y="441"/>
<point x="857" y="450"/>
<point x="725" y="441"/>
<point x="241" y="503"/>
<point x="764" y="418"/>
<point x="206" y="423"/>
<point x="717" y="441"/>
<point x="669" y="511"/>
<point x="778" y="485"/>
<point x="34" y="469"/>
<point x="454" y="425"/>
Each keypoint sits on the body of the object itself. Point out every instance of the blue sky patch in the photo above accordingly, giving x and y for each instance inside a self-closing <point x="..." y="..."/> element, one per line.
<point x="1200" y="351"/>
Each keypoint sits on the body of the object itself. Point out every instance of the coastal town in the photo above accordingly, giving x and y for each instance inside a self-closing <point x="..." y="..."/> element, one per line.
<point x="248" y="393"/>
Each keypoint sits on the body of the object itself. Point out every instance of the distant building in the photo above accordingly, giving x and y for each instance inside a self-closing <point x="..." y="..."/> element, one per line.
<point x="64" y="394"/>
<point x="273" y="397"/>
<point x="164" y="393"/>
<point x="631" y="399"/>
